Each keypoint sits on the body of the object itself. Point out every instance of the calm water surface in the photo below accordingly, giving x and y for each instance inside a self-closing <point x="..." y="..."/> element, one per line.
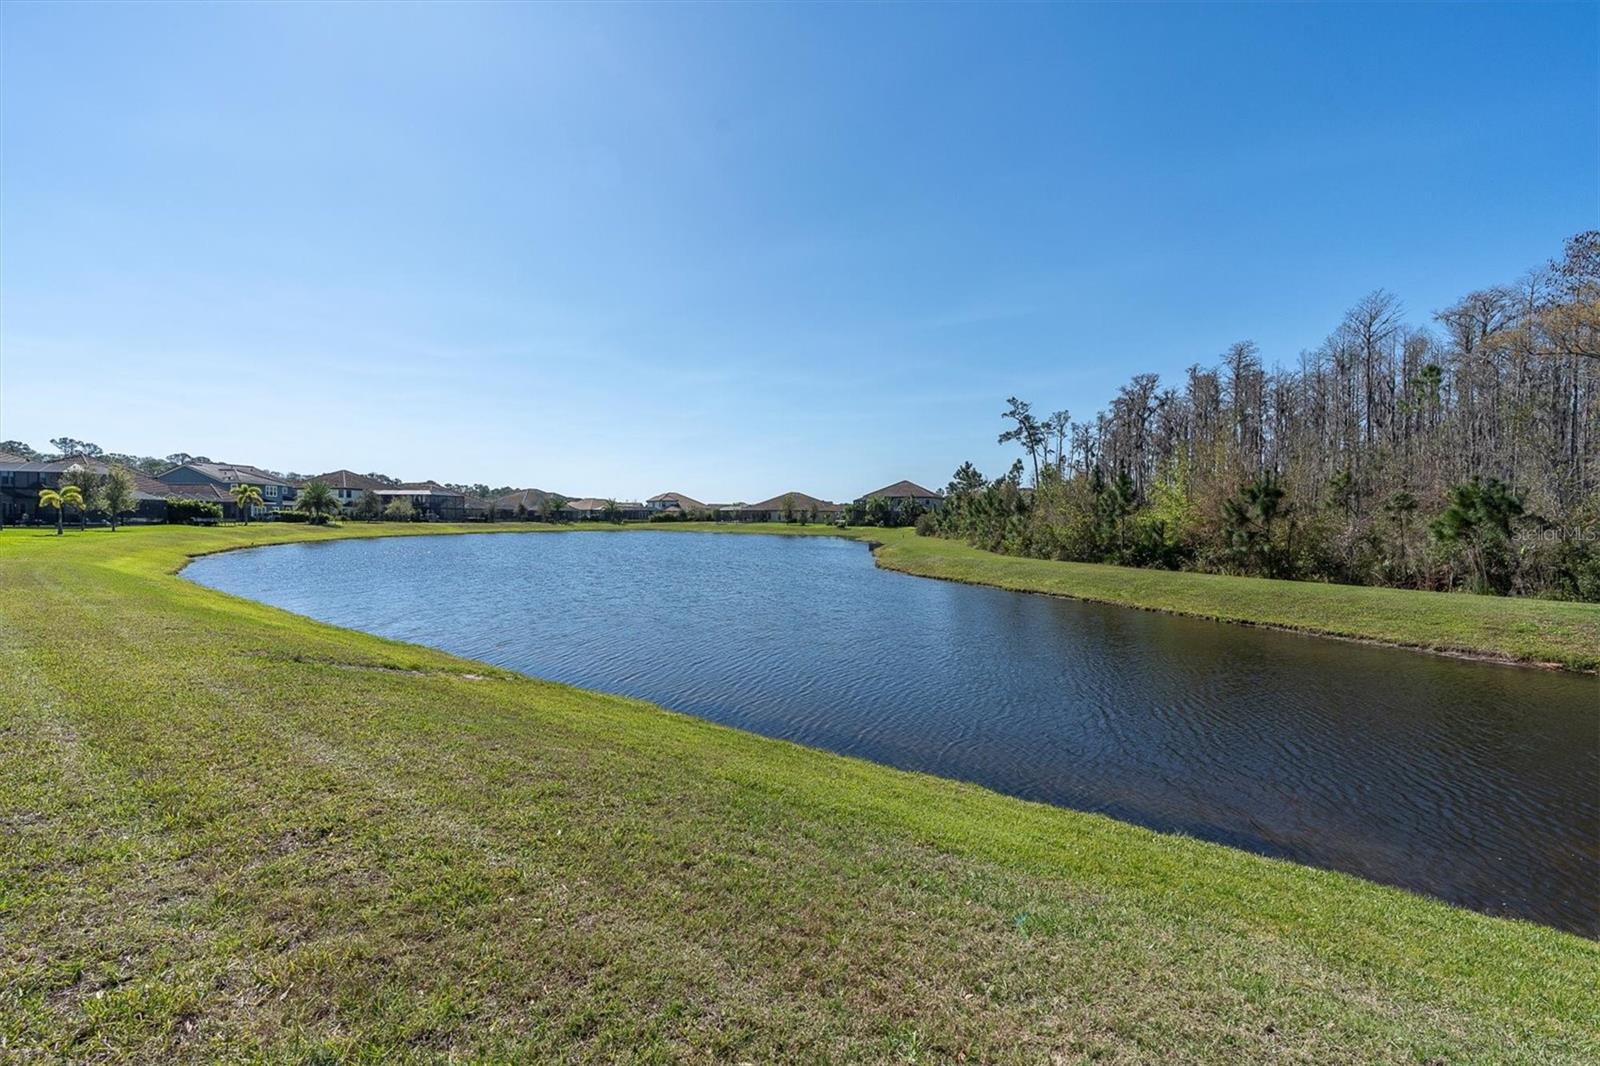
<point x="1476" y="783"/>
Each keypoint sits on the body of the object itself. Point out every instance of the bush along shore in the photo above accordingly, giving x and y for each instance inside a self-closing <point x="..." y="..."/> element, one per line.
<point x="1514" y="630"/>
<point x="236" y="833"/>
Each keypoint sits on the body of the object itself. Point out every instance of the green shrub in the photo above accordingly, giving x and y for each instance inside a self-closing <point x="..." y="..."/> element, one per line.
<point x="182" y="511"/>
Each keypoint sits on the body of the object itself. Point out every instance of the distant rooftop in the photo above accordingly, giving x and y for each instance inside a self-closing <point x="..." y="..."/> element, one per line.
<point x="590" y="503"/>
<point x="798" y="500"/>
<point x="418" y="488"/>
<point x="527" y="499"/>
<point x="231" y="473"/>
<point x="208" y="492"/>
<point x="347" y="479"/>
<point x="902" y="490"/>
<point x="677" y="499"/>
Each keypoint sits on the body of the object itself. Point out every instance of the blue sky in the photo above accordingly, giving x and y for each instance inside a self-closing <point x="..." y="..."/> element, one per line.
<point x="734" y="250"/>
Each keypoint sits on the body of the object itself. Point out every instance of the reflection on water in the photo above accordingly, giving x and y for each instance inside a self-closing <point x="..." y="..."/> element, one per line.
<point x="1476" y="783"/>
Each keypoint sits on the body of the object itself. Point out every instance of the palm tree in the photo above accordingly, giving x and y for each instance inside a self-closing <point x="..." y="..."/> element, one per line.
<point x="88" y="484"/>
<point x="318" y="501"/>
<point x="246" y="496"/>
<point x="68" y="494"/>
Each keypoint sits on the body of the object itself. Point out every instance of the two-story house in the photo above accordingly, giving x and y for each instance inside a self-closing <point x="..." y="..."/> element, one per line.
<point x="348" y="486"/>
<point x="21" y="479"/>
<point x="668" y="501"/>
<point x="276" y="493"/>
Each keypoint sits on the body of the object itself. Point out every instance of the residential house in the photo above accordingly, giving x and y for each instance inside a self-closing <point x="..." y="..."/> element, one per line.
<point x="668" y="501"/>
<point x="21" y="479"/>
<point x="348" y="487"/>
<point x="903" y="495"/>
<point x="523" y="503"/>
<point x="590" y="508"/>
<point x="431" y="500"/>
<point x="276" y="493"/>
<point x="797" y="505"/>
<point x="19" y="488"/>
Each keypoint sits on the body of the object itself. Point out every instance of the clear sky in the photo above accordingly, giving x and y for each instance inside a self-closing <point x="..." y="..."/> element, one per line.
<point x="734" y="250"/>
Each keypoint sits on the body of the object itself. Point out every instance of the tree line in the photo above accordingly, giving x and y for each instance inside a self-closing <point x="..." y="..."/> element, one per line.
<point x="1463" y="455"/>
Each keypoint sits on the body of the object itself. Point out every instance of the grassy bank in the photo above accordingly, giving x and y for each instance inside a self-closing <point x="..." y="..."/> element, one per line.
<point x="1515" y="630"/>
<point x="231" y="832"/>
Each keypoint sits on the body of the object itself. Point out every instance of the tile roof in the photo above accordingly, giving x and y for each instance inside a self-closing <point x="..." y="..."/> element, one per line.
<point x="212" y="493"/>
<point x="902" y="490"/>
<point x="53" y="466"/>
<point x="798" y="500"/>
<point x="528" y="499"/>
<point x="688" y="503"/>
<point x="432" y="487"/>
<point x="346" y="479"/>
<point x="589" y="503"/>
<point x="231" y="473"/>
<point x="144" y="486"/>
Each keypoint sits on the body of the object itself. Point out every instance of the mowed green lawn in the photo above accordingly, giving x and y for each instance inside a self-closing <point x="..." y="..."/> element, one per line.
<point x="1524" y="630"/>
<point x="233" y="833"/>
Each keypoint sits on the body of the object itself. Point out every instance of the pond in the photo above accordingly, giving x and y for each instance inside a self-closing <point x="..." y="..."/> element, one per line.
<point x="1473" y="782"/>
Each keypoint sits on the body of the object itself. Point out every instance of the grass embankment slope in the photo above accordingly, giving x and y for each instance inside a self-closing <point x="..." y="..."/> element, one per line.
<point x="1517" y="630"/>
<point x="231" y="832"/>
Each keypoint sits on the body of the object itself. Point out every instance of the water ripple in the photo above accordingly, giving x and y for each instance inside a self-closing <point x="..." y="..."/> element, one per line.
<point x="1476" y="783"/>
